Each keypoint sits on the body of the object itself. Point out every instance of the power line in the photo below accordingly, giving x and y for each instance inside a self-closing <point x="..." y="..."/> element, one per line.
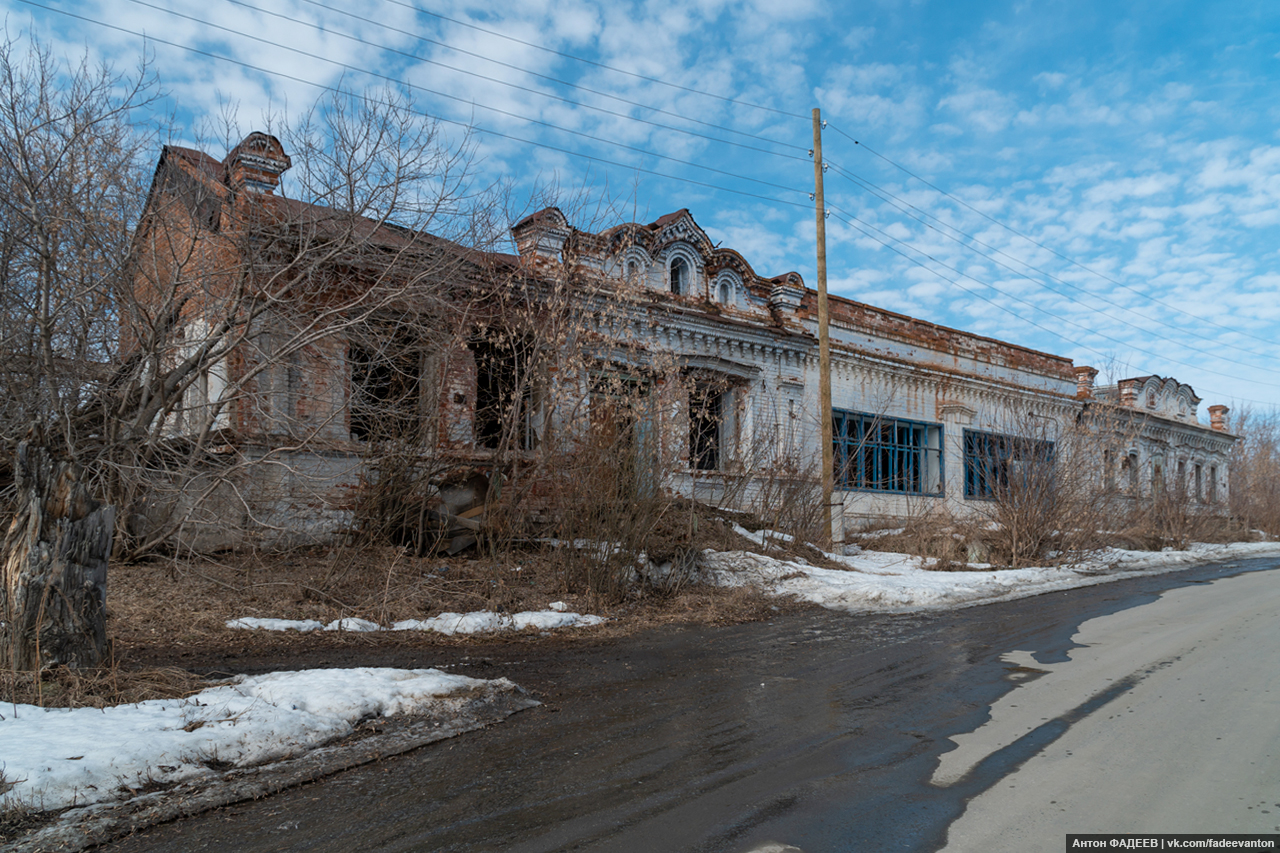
<point x="475" y="128"/>
<point x="1029" y="304"/>
<point x="890" y="198"/>
<point x="477" y="75"/>
<point x="605" y="161"/>
<point x="498" y="62"/>
<point x="602" y="65"/>
<point x="498" y="110"/>
<point x="1049" y="249"/>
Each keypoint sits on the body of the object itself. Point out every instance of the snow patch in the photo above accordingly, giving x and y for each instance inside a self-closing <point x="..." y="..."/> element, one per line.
<point x="479" y="622"/>
<point x="884" y="581"/>
<point x="57" y="757"/>
<point x="484" y="622"/>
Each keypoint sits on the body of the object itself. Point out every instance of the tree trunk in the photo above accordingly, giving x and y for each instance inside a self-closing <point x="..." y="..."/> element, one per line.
<point x="54" y="590"/>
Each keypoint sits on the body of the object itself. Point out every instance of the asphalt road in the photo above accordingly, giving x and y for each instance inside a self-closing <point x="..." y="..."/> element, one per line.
<point x="996" y="727"/>
<point x="1166" y="721"/>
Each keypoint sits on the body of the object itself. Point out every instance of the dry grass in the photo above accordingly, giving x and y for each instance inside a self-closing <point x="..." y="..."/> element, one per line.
<point x="98" y="687"/>
<point x="167" y="617"/>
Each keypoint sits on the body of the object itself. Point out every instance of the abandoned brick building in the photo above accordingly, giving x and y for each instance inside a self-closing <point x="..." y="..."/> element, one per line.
<point x="725" y="358"/>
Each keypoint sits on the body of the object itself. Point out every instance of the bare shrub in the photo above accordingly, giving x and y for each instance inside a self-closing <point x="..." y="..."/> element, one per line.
<point x="775" y="481"/>
<point x="1040" y="497"/>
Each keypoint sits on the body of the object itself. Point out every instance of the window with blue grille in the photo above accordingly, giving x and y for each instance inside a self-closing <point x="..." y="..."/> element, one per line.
<point x="886" y="454"/>
<point x="993" y="461"/>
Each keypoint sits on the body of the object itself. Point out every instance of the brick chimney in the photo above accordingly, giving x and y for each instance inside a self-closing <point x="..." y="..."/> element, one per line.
<point x="1129" y="393"/>
<point x="1084" y="381"/>
<point x="256" y="164"/>
<point x="1218" y="418"/>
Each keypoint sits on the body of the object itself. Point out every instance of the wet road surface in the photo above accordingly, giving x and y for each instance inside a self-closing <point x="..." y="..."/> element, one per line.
<point x="819" y="730"/>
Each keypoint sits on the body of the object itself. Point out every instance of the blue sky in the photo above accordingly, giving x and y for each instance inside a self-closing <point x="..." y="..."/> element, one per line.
<point x="1099" y="180"/>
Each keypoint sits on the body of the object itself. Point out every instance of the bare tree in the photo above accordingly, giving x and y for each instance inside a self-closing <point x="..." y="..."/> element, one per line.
<point x="69" y="170"/>
<point x="73" y="189"/>
<point x="1253" y="494"/>
<point x="170" y="341"/>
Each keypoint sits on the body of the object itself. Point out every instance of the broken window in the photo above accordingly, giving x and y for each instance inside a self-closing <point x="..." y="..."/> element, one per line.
<point x="505" y="399"/>
<point x="622" y="432"/>
<point x="706" y="422"/>
<point x="386" y="365"/>
<point x="994" y="462"/>
<point x="886" y="454"/>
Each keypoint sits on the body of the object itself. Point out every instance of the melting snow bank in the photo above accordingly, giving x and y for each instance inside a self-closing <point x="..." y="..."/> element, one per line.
<point x="269" y="731"/>
<point x="479" y="622"/>
<point x="887" y="582"/>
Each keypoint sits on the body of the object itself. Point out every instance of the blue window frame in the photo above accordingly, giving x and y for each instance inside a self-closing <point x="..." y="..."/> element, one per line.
<point x="886" y="454"/>
<point x="992" y="461"/>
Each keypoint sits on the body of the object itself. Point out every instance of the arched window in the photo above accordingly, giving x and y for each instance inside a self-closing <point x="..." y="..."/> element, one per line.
<point x="633" y="270"/>
<point x="726" y="292"/>
<point x="679" y="275"/>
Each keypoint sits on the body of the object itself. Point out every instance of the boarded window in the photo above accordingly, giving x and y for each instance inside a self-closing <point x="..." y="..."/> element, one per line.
<point x="623" y="436"/>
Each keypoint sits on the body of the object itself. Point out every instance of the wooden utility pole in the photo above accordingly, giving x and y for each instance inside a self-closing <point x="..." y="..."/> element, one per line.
<point x="824" y="341"/>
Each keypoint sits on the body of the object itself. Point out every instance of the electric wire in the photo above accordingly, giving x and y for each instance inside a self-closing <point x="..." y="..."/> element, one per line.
<point x="462" y="124"/>
<point x="516" y="86"/>
<point x="691" y="163"/>
<point x="860" y="225"/>
<point x="655" y="173"/>
<point x="602" y="65"/>
<point x="498" y="62"/>
<point x="1038" y="244"/>
<point x="901" y="204"/>
<point x="766" y="183"/>
<point x="498" y="110"/>
<point x="1016" y="315"/>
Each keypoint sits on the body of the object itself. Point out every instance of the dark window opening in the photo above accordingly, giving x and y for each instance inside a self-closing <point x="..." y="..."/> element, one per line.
<point x="386" y="371"/>
<point x="886" y="454"/>
<point x="705" y="421"/>
<point x="1199" y="484"/>
<point x="504" y="394"/>
<point x="1130" y="465"/>
<point x="679" y="273"/>
<point x="993" y="463"/>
